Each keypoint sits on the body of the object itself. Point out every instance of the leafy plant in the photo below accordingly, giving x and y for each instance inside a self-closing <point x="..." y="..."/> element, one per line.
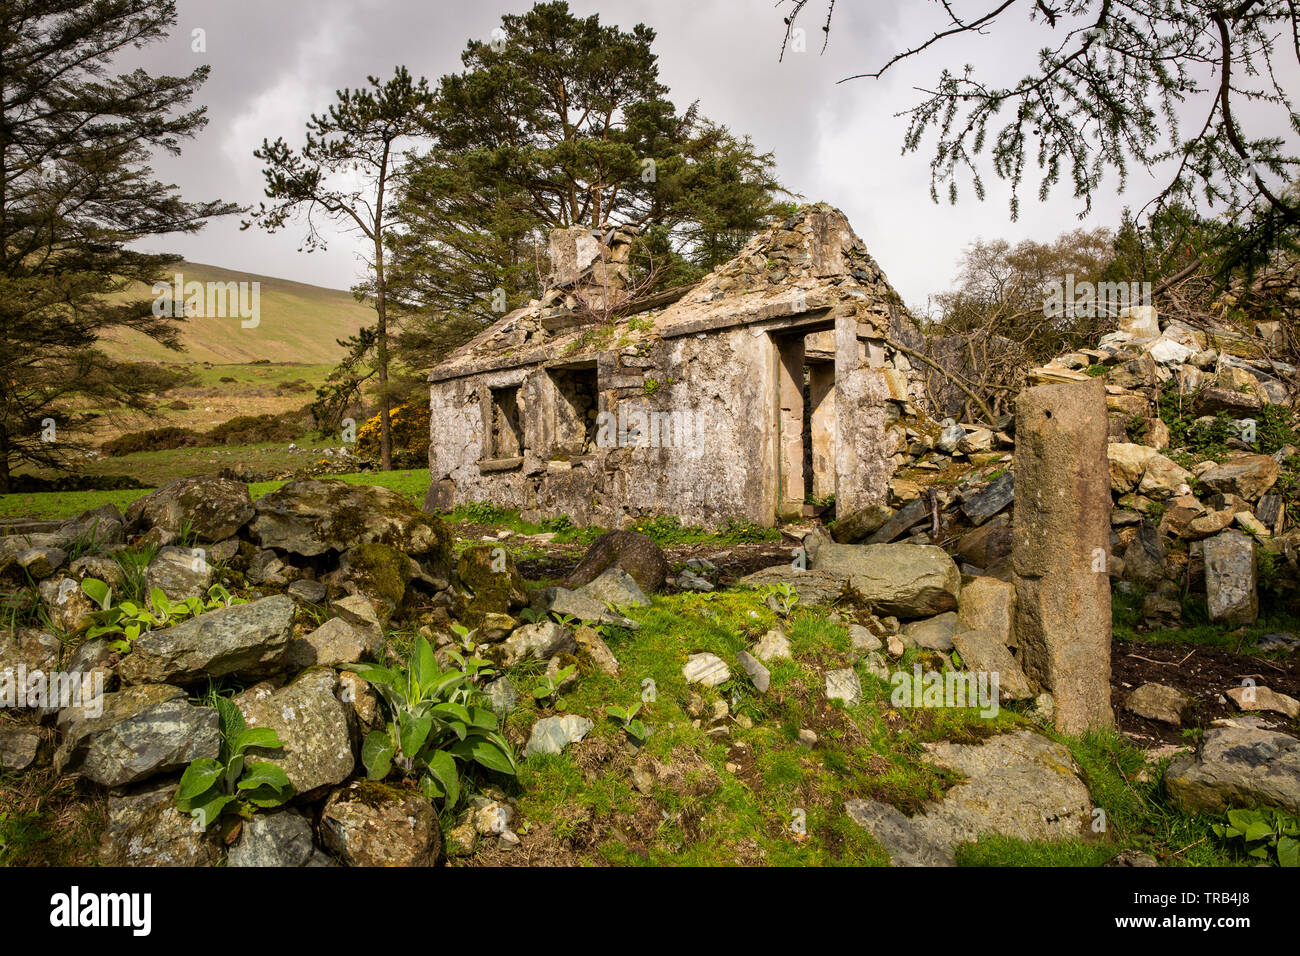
<point x="228" y="784"/>
<point x="746" y="531"/>
<point x="437" y="720"/>
<point x="557" y="524"/>
<point x="481" y="512"/>
<point x="782" y="598"/>
<point x="130" y="620"/>
<point x="548" y="686"/>
<point x="626" y="716"/>
<point x="1263" y="834"/>
<point x="475" y="669"/>
<point x="133" y="563"/>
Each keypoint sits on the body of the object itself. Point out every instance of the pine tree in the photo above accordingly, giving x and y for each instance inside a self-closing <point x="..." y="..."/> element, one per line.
<point x="559" y="121"/>
<point x="75" y="191"/>
<point x="1193" y="92"/>
<point x="360" y="136"/>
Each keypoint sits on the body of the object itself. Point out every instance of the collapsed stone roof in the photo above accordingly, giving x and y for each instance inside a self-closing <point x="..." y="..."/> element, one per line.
<point x="809" y="261"/>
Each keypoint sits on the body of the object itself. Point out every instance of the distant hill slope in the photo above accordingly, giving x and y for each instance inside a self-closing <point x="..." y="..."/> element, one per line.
<point x="299" y="323"/>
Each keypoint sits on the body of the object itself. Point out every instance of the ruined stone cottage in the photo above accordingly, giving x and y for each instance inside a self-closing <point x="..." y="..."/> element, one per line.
<point x="765" y="385"/>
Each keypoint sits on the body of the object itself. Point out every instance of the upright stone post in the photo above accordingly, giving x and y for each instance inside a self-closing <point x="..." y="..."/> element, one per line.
<point x="1061" y="531"/>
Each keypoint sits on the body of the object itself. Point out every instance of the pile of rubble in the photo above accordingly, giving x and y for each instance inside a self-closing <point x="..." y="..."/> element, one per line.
<point x="321" y="568"/>
<point x="1188" y="516"/>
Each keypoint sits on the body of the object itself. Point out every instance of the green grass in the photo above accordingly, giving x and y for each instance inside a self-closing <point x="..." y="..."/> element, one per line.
<point x="1126" y="615"/>
<point x="715" y="815"/>
<point x="508" y="518"/>
<point x="159" y="467"/>
<point x="47" y="820"/>
<point x="244" y="374"/>
<point x="584" y="800"/>
<point x="20" y="834"/>
<point x="666" y="531"/>
<point x="63" y="504"/>
<point x="66" y="504"/>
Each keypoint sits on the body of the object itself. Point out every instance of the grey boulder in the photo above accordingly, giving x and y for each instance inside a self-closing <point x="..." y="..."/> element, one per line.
<point x="247" y="640"/>
<point x="142" y="731"/>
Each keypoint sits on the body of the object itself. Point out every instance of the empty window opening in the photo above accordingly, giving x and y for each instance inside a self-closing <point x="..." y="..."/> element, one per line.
<point x="507" y="423"/>
<point x="576" y="410"/>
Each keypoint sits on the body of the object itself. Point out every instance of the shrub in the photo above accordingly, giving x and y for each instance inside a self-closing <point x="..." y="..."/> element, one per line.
<point x="252" y="429"/>
<point x="155" y="439"/>
<point x="410" y="428"/>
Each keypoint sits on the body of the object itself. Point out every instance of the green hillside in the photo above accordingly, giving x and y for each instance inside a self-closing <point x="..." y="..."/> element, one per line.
<point x="298" y="323"/>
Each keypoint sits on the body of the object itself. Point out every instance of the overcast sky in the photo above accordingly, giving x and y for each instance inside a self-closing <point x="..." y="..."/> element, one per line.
<point x="275" y="62"/>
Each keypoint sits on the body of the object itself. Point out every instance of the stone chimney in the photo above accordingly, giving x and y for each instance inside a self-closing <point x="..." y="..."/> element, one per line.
<point x="589" y="263"/>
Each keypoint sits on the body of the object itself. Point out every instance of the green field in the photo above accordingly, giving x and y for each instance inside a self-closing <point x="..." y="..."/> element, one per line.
<point x="67" y="504"/>
<point x="298" y="323"/>
<point x="276" y="375"/>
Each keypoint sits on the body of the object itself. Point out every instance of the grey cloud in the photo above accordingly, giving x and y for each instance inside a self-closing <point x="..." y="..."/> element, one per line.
<point x="274" y="62"/>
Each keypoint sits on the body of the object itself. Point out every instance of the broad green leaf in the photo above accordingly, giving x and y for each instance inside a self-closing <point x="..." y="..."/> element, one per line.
<point x="424" y="666"/>
<point x="234" y="770"/>
<point x="414" y="732"/>
<point x="1288" y="851"/>
<point x="268" y="796"/>
<point x="453" y="711"/>
<point x="231" y="719"/>
<point x="199" y="777"/>
<point x="373" y="674"/>
<point x="443" y="685"/>
<point x="429" y="787"/>
<point x="1258" y="830"/>
<point x="264" y="774"/>
<point x="264" y="737"/>
<point x="485" y="753"/>
<point x="394" y="697"/>
<point x="97" y="591"/>
<point x="1242" y="819"/>
<point x="442" y="767"/>
<point x="208" y="812"/>
<point x="377" y="754"/>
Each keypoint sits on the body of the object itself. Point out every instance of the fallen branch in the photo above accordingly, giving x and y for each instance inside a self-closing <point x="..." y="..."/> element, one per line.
<point x="912" y="353"/>
<point x="1164" y="663"/>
